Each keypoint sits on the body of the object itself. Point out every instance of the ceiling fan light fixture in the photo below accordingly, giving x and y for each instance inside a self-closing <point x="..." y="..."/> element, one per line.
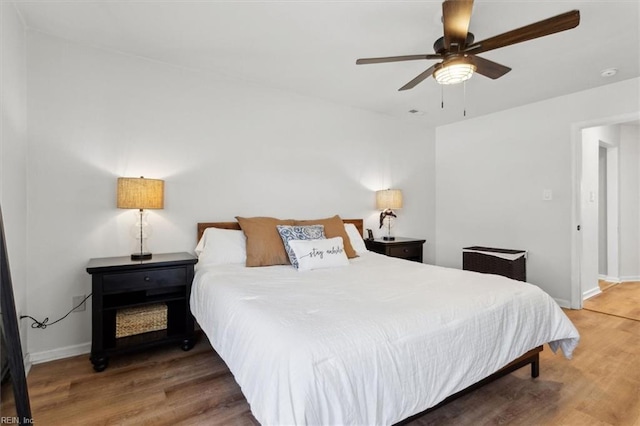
<point x="458" y="49"/>
<point x="455" y="71"/>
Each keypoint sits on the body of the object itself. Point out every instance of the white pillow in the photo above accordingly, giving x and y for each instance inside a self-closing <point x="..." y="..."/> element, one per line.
<point x="356" y="239"/>
<point x="221" y="246"/>
<point x="318" y="254"/>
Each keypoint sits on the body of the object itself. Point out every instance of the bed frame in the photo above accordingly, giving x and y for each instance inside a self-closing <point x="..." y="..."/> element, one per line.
<point x="532" y="357"/>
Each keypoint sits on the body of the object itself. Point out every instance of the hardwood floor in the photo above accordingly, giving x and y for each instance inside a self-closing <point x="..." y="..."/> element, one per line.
<point x="622" y="300"/>
<point x="600" y="386"/>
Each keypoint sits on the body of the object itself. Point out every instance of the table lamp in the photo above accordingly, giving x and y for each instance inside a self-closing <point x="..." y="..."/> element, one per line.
<point x="388" y="200"/>
<point x="140" y="193"/>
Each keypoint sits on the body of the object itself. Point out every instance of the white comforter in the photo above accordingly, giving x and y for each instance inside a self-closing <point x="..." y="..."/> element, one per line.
<point x="371" y="343"/>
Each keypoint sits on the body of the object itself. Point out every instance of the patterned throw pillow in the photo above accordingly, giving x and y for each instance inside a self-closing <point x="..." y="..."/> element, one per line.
<point x="288" y="233"/>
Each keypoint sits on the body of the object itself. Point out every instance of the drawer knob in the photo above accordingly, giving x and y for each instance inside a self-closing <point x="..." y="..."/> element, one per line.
<point x="147" y="278"/>
<point x="406" y="250"/>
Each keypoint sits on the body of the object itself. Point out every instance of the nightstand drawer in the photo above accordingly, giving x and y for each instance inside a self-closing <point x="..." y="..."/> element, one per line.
<point x="400" y="247"/>
<point x="405" y="251"/>
<point x="153" y="278"/>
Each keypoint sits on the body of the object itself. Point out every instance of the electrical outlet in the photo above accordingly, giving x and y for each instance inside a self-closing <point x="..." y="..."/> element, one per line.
<point x="77" y="300"/>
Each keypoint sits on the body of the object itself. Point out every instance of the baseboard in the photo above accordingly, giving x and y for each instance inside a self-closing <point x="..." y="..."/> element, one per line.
<point x="590" y="293"/>
<point x="563" y="303"/>
<point x="619" y="279"/>
<point x="609" y="279"/>
<point x="60" y="353"/>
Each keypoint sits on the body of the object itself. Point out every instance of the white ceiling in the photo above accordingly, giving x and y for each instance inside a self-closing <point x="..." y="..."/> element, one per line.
<point x="310" y="47"/>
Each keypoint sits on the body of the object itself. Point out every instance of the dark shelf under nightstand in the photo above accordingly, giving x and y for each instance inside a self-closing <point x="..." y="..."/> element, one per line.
<point x="401" y="247"/>
<point x="120" y="283"/>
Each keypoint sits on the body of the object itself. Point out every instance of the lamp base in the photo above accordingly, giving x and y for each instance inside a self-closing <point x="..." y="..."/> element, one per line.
<point x="141" y="256"/>
<point x="386" y="238"/>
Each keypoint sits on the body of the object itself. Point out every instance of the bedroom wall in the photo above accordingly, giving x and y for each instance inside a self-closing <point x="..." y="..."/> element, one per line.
<point x="223" y="147"/>
<point x="13" y="151"/>
<point x="491" y="172"/>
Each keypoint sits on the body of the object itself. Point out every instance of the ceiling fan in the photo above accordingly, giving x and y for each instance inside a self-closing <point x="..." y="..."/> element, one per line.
<point x="458" y="50"/>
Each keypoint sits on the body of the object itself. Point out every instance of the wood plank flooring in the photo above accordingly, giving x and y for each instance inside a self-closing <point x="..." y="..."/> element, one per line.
<point x="600" y="386"/>
<point x="621" y="299"/>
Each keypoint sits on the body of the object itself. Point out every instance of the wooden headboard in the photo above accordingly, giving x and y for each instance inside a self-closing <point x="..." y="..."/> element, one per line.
<point x="235" y="225"/>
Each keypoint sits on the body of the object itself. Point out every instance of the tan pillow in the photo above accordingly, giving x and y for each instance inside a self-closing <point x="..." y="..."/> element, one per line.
<point x="333" y="227"/>
<point x="264" y="245"/>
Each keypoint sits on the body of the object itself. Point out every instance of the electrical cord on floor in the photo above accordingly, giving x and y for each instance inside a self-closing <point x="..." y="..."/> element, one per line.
<point x="45" y="323"/>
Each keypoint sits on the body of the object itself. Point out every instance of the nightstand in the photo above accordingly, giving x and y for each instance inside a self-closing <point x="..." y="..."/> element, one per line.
<point x="120" y="285"/>
<point x="403" y="248"/>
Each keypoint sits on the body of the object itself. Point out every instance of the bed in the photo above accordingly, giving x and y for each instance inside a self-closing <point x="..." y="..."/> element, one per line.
<point x="373" y="343"/>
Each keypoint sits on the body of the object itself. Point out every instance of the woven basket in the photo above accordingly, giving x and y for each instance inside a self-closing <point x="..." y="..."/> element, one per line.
<point x="487" y="264"/>
<point x="141" y="319"/>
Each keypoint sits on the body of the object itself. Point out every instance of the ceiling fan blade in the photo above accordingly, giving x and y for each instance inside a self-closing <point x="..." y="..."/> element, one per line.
<point x="553" y="25"/>
<point x="420" y="78"/>
<point x="456" y="15"/>
<point x="489" y="68"/>
<point x="363" y="61"/>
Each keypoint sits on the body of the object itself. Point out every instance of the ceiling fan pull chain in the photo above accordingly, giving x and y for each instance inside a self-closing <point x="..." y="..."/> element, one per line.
<point x="464" y="98"/>
<point x="441" y="96"/>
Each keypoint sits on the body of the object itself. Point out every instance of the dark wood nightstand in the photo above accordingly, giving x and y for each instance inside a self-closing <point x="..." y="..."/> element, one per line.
<point x="119" y="283"/>
<point x="403" y="248"/>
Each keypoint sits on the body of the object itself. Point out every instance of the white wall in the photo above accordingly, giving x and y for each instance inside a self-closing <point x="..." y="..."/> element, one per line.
<point x="224" y="148"/>
<point x="629" y="203"/>
<point x="491" y="171"/>
<point x="13" y="151"/>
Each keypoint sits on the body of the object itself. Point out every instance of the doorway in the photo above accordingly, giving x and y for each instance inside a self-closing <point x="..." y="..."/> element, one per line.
<point x="598" y="245"/>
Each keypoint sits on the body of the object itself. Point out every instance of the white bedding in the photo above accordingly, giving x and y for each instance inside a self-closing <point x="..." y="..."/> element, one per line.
<point x="371" y="343"/>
